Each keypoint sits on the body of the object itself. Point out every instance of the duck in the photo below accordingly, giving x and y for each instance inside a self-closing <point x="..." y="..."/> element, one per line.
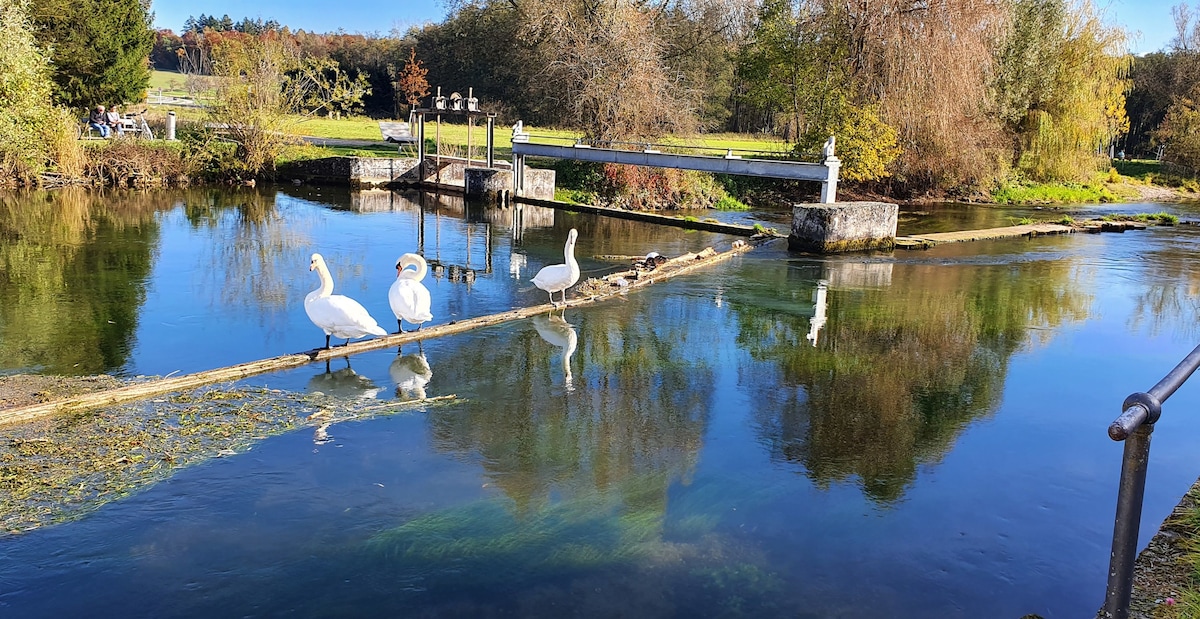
<point x="559" y="277"/>
<point x="408" y="297"/>
<point x="336" y="314"/>
<point x="410" y="373"/>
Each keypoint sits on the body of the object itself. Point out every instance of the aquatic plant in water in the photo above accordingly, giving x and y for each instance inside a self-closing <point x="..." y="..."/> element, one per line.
<point x="59" y="469"/>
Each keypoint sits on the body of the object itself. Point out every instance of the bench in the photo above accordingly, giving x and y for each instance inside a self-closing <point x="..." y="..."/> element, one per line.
<point x="396" y="132"/>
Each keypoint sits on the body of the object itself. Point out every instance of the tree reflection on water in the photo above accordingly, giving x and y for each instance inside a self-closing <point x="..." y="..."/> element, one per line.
<point x="73" y="270"/>
<point x="911" y="354"/>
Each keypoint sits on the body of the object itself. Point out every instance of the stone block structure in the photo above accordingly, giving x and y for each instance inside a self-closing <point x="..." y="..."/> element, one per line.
<point x="843" y="226"/>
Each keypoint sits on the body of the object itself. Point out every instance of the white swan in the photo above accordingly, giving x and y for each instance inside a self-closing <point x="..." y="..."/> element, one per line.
<point x="556" y="331"/>
<point x="559" y="277"/>
<point x="335" y="314"/>
<point x="411" y="373"/>
<point x="408" y="297"/>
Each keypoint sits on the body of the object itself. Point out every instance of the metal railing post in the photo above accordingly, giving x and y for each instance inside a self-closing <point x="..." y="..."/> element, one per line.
<point x="1128" y="520"/>
<point x="1135" y="425"/>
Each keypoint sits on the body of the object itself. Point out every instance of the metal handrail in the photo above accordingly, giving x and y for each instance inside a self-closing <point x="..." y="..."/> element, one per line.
<point x="1138" y="415"/>
<point x="786" y="152"/>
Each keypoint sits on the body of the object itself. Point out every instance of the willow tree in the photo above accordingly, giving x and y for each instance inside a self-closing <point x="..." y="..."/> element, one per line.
<point x="892" y="78"/>
<point x="1061" y="88"/>
<point x="607" y="60"/>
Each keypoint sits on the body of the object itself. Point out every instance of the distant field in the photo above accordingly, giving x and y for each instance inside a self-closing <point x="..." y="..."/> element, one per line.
<point x="169" y="82"/>
<point x="453" y="134"/>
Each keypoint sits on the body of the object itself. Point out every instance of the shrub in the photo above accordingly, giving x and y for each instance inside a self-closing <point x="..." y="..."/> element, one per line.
<point x="35" y="136"/>
<point x="648" y="189"/>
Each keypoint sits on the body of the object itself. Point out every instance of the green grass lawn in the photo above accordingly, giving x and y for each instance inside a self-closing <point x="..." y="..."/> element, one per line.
<point x="453" y="134"/>
<point x="1149" y="171"/>
<point x="169" y="82"/>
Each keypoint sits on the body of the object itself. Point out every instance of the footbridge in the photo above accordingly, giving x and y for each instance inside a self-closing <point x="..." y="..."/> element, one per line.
<point x="825" y="172"/>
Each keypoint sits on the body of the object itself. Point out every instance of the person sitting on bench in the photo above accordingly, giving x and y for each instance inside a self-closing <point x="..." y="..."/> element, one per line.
<point x="98" y="120"/>
<point x="114" y="121"/>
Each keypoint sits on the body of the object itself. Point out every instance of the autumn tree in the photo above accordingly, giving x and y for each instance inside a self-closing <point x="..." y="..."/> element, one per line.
<point x="253" y="100"/>
<point x="1179" y="133"/>
<point x="410" y="82"/>
<point x="606" y="61"/>
<point x="325" y="88"/>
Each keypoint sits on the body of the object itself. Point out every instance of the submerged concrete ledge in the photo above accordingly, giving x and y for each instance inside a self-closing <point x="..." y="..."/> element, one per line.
<point x="923" y="241"/>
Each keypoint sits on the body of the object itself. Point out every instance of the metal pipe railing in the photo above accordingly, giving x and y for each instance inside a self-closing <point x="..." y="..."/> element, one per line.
<point x="1135" y="425"/>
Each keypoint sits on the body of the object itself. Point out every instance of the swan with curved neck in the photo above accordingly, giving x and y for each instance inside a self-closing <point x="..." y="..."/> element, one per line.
<point x="408" y="297"/>
<point x="337" y="315"/>
<point x="559" y="277"/>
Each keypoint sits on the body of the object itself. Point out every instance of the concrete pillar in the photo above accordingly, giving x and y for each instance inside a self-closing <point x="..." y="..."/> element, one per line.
<point x="829" y="187"/>
<point x="170" y="125"/>
<point x="843" y="226"/>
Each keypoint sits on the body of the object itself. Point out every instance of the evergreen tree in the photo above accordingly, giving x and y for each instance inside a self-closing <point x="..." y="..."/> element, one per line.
<point x="101" y="49"/>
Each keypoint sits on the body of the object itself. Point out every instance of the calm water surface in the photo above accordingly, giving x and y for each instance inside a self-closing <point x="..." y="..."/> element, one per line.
<point x="918" y="434"/>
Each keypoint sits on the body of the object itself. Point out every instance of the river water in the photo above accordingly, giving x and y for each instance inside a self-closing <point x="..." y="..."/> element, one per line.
<point x="908" y="434"/>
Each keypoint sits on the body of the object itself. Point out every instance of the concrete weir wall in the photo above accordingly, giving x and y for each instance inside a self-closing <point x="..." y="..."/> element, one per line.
<point x="357" y="172"/>
<point x="488" y="183"/>
<point x="368" y="172"/>
<point x="843" y="226"/>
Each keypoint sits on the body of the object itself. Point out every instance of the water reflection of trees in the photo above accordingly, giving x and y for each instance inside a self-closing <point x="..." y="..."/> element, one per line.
<point x="637" y="412"/>
<point x="899" y="369"/>
<point x="255" y="253"/>
<point x="73" y="269"/>
<point x="1170" y="296"/>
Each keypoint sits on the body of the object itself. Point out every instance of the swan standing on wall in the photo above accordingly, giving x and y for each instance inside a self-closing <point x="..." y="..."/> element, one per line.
<point x="336" y="314"/>
<point x="408" y="297"/>
<point x="559" y="277"/>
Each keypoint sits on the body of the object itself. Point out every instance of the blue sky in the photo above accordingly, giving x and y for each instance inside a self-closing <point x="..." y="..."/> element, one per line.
<point x="1152" y="18"/>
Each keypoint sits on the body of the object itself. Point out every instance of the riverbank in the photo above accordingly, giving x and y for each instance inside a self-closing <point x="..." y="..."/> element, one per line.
<point x="1166" y="579"/>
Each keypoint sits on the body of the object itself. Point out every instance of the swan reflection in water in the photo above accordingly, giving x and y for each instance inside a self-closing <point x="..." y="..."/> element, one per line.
<point x="558" y="332"/>
<point x="344" y="383"/>
<point x="410" y="373"/>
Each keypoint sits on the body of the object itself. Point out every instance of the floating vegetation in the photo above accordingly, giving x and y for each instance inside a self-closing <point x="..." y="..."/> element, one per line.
<point x="1162" y="218"/>
<point x="61" y="468"/>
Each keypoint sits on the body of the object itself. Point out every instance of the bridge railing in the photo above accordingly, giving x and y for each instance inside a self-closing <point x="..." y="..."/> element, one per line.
<point x="782" y="153"/>
<point x="1135" y="425"/>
